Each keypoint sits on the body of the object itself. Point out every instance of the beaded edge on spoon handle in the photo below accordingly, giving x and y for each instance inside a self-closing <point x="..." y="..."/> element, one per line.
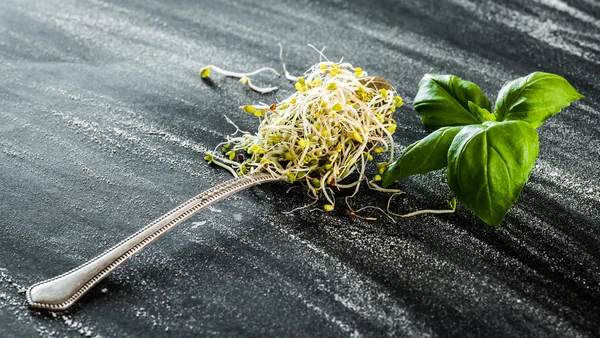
<point x="61" y="292"/>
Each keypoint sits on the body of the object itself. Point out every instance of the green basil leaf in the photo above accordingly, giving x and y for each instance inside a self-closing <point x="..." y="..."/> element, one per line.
<point x="443" y="100"/>
<point x="534" y="98"/>
<point x="481" y="114"/>
<point x="428" y="154"/>
<point x="488" y="165"/>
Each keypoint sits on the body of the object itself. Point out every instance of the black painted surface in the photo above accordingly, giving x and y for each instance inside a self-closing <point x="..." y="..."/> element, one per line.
<point x="103" y="124"/>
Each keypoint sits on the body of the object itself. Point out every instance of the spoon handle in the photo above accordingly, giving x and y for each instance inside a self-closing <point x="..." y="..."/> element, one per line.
<point x="61" y="292"/>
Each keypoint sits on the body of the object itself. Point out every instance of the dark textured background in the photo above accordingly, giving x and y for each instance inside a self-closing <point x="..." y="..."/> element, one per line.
<point x="103" y="125"/>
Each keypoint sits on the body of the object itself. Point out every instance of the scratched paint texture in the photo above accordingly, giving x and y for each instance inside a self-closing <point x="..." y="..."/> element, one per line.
<point x="103" y="125"/>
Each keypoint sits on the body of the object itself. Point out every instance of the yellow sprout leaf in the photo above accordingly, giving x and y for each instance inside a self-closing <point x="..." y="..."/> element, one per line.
<point x="383" y="93"/>
<point x="356" y="137"/>
<point x="291" y="177"/>
<point x="275" y="138"/>
<point x="397" y="101"/>
<point x="382" y="166"/>
<point x="256" y="149"/>
<point x="205" y="72"/>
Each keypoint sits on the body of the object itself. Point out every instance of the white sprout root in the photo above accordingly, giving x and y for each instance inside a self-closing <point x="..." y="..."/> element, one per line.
<point x="262" y="90"/>
<point x="451" y="202"/>
<point x="244" y="77"/>
<point x="285" y="71"/>
<point x="333" y="124"/>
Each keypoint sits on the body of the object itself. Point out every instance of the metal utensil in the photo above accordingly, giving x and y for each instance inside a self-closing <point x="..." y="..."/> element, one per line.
<point x="61" y="292"/>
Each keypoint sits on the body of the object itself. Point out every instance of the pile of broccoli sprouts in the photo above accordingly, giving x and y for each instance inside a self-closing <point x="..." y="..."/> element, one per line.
<point x="332" y="126"/>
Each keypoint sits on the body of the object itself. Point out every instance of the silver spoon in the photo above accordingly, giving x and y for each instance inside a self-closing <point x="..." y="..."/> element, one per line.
<point x="61" y="292"/>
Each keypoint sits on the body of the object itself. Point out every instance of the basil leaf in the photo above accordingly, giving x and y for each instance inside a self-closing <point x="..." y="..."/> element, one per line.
<point x="481" y="114"/>
<point x="443" y="100"/>
<point x="488" y="165"/>
<point x="534" y="98"/>
<point x="423" y="156"/>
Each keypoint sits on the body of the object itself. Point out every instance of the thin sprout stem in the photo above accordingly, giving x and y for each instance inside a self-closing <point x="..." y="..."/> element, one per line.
<point x="419" y="212"/>
<point x="237" y="129"/>
<point x="426" y="211"/>
<point x="300" y="208"/>
<point x="241" y="75"/>
<point x="225" y="167"/>
<point x="225" y="161"/>
<point x="262" y="90"/>
<point x="321" y="55"/>
<point x="378" y="188"/>
<point x="376" y="208"/>
<point x="220" y="145"/>
<point x="285" y="71"/>
<point x="367" y="218"/>
<point x="316" y="209"/>
<point x="292" y="187"/>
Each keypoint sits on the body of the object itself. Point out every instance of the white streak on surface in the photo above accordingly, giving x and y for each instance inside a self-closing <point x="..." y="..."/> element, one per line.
<point x="558" y="35"/>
